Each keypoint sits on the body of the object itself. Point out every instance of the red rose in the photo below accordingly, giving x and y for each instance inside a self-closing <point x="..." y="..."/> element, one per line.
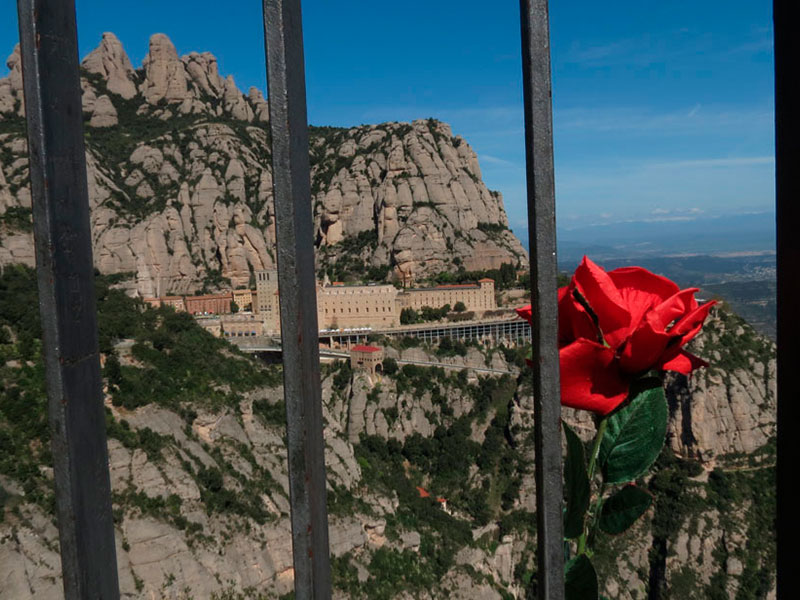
<point x="614" y="326"/>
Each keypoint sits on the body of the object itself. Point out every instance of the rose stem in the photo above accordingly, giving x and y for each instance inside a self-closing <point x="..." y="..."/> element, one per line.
<point x="601" y="431"/>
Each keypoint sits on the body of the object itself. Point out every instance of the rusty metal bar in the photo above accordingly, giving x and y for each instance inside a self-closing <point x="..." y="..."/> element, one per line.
<point x="298" y="300"/>
<point x="787" y="211"/>
<point x="60" y="194"/>
<point x="544" y="271"/>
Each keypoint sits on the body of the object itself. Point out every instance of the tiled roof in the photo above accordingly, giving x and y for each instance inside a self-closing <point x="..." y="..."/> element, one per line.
<point x="365" y="349"/>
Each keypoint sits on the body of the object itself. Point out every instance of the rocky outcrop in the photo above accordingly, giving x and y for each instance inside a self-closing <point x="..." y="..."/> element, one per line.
<point x="729" y="408"/>
<point x="189" y="207"/>
<point x="164" y="74"/>
<point x="103" y="113"/>
<point x="171" y="540"/>
<point x="11" y="95"/>
<point x="112" y="64"/>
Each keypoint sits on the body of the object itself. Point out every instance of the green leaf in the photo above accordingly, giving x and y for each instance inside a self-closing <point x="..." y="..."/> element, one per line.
<point x="580" y="579"/>
<point x="576" y="485"/>
<point x="635" y="434"/>
<point x="622" y="509"/>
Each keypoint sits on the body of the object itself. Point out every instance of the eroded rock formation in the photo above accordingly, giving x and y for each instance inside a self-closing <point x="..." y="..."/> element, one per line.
<point x="181" y="187"/>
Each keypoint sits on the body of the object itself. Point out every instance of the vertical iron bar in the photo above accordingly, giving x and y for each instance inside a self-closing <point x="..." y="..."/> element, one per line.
<point x="787" y="211"/>
<point x="60" y="195"/>
<point x="283" y="37"/>
<point x="544" y="270"/>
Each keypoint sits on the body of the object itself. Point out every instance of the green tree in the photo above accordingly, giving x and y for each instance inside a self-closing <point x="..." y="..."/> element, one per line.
<point x="113" y="371"/>
<point x="390" y="366"/>
<point x="408" y="316"/>
<point x="460" y="307"/>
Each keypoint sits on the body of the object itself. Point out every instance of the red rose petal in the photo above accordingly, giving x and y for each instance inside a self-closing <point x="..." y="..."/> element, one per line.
<point x="684" y="362"/>
<point x="590" y="379"/>
<point x="645" y="347"/>
<point x="641" y="290"/>
<point x="674" y="307"/>
<point x="639" y="280"/>
<point x="603" y="297"/>
<point x="573" y="320"/>
<point x="692" y="322"/>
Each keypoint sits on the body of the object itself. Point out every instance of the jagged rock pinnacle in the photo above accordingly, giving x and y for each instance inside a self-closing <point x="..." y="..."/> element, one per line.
<point x="110" y="61"/>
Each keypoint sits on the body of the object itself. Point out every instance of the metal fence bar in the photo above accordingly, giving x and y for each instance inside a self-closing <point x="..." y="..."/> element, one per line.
<point x="66" y="297"/>
<point x="283" y="36"/>
<point x="544" y="271"/>
<point x="787" y="211"/>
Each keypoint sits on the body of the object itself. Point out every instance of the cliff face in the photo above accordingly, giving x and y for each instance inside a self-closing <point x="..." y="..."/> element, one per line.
<point x="180" y="182"/>
<point x="198" y="472"/>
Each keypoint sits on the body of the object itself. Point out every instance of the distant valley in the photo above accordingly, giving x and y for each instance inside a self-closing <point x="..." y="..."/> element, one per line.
<point x="731" y="258"/>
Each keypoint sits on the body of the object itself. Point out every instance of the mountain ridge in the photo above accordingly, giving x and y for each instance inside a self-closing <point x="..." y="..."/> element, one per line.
<point x="180" y="182"/>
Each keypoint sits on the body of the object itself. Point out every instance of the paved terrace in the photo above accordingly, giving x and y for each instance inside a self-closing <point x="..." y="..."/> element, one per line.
<point x="328" y="354"/>
<point x="513" y="330"/>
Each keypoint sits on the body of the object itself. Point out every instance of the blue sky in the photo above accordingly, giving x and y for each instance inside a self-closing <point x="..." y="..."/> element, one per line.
<point x="663" y="110"/>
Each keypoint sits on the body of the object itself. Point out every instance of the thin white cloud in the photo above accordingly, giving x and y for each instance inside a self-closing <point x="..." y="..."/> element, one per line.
<point x="496" y="161"/>
<point x="711" y="163"/>
<point x="644" y="122"/>
<point x="664" y="47"/>
<point x="759" y="46"/>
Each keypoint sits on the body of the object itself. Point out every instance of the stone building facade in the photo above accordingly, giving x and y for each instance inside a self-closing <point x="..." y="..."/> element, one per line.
<point x="266" y="301"/>
<point x="243" y="299"/>
<point x="232" y="325"/>
<point x="375" y="305"/>
<point x="211" y="304"/>
<point x="339" y="306"/>
<point x="356" y="306"/>
<point x="211" y="324"/>
<point x="476" y="297"/>
<point x="175" y="302"/>
<point x="366" y="358"/>
<point x="242" y="325"/>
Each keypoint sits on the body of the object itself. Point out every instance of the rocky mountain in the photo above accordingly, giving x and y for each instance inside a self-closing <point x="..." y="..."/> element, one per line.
<point x="180" y="183"/>
<point x="198" y="469"/>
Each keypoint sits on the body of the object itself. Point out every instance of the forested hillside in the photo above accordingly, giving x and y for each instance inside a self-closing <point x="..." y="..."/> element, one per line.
<point x="200" y="491"/>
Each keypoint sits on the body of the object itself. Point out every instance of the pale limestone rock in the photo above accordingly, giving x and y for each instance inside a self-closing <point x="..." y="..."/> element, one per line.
<point x="11" y="93"/>
<point x="104" y="114"/>
<point x="205" y="196"/>
<point x="17" y="248"/>
<point x="165" y="76"/>
<point x="144" y="190"/>
<point x="168" y="174"/>
<point x="259" y="104"/>
<point x="6" y="199"/>
<point x="234" y="179"/>
<point x="88" y="96"/>
<point x="347" y="149"/>
<point x="110" y="61"/>
<point x="148" y="158"/>
<point x="391" y="170"/>
<point x="204" y="72"/>
<point x="722" y="417"/>
<point x="411" y="540"/>
<point x="135" y="178"/>
<point x="159" y="554"/>
<point x="235" y="102"/>
<point x="30" y="566"/>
